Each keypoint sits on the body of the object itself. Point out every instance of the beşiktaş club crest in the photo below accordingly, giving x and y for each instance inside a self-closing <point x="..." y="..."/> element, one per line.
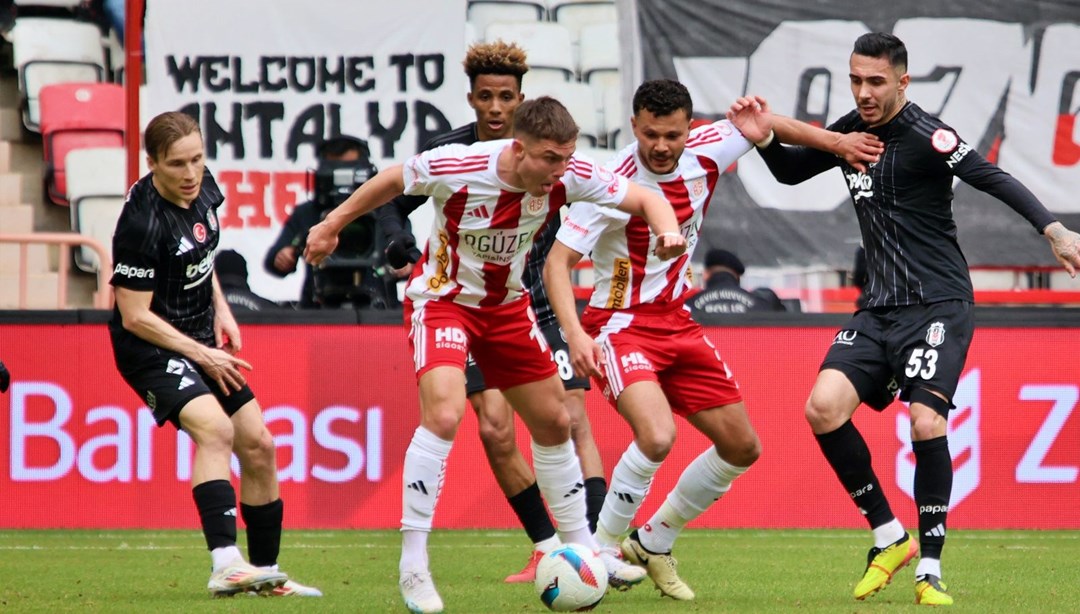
<point x="697" y="187"/>
<point x="935" y="335"/>
<point x="536" y="204"/>
<point x="211" y="219"/>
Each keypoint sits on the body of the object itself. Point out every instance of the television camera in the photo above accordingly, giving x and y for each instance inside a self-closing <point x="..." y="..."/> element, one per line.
<point x="353" y="273"/>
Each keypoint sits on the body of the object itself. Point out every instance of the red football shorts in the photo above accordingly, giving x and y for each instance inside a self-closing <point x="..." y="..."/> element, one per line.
<point x="504" y="340"/>
<point x="668" y="348"/>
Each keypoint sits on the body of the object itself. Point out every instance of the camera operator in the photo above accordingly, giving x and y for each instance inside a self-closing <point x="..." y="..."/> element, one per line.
<point x="281" y="258"/>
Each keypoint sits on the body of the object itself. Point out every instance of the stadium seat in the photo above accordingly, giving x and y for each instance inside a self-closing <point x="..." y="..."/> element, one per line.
<point x="614" y="115"/>
<point x="576" y="14"/>
<point x="578" y="99"/>
<point x="482" y="13"/>
<point x="599" y="60"/>
<point x="96" y="187"/>
<point x="48" y="51"/>
<point x="67" y="4"/>
<point x="75" y="116"/>
<point x="548" y="45"/>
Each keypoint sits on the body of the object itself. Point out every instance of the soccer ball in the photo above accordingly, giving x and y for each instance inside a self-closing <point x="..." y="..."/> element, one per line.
<point x="571" y="578"/>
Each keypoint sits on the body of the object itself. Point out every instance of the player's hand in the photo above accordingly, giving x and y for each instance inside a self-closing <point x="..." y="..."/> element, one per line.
<point x="752" y="117"/>
<point x="5" y="377"/>
<point x="859" y="149"/>
<point x="285" y="259"/>
<point x="585" y="355"/>
<point x="669" y="245"/>
<point x="322" y="240"/>
<point x="224" y="368"/>
<point x="1065" y="245"/>
<point x="226" y="332"/>
<point x="401" y="250"/>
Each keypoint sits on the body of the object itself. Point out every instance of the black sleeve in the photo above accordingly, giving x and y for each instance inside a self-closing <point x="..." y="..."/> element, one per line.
<point x="293" y="232"/>
<point x="979" y="173"/>
<point x="392" y="216"/>
<point x="791" y="164"/>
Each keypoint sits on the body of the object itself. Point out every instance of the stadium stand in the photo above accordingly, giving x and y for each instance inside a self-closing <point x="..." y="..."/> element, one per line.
<point x="48" y="51"/>
<point x="576" y="14"/>
<point x="481" y="13"/>
<point x="96" y="186"/>
<point x="75" y="116"/>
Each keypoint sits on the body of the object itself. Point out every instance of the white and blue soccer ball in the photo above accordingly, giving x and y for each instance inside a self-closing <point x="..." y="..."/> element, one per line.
<point x="571" y="578"/>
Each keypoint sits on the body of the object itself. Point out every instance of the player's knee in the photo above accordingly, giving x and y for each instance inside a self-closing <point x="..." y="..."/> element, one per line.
<point x="927" y="426"/>
<point x="657" y="444"/>
<point x="443" y="422"/>
<point x="257" y="452"/>
<point x="821" y="414"/>
<point x="497" y="437"/>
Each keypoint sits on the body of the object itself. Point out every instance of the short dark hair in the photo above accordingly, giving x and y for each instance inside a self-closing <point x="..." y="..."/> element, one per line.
<point x="545" y="118"/>
<point x="880" y="44"/>
<point x="663" y="97"/>
<point x="166" y="129"/>
<point x="338" y="146"/>
<point x="495" y="58"/>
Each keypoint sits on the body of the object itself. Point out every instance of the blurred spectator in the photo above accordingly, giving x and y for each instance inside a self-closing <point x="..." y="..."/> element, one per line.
<point x="723" y="294"/>
<point x="232" y="274"/>
<point x="283" y="255"/>
<point x="7" y="16"/>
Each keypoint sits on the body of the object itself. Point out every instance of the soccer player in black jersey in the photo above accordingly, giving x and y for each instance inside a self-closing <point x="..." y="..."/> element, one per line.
<point x="175" y="342"/>
<point x="495" y="71"/>
<point x="912" y="331"/>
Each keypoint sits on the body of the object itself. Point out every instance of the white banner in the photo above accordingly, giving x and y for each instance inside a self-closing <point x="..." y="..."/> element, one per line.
<point x="268" y="79"/>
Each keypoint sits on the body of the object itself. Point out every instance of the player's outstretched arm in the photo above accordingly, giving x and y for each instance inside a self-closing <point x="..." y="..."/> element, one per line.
<point x="375" y="192"/>
<point x="753" y="117"/>
<point x="660" y="217"/>
<point x="1066" y="246"/>
<point x="584" y="352"/>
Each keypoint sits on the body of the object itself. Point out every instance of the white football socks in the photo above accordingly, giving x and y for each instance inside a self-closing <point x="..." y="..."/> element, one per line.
<point x="221" y="557"/>
<point x="630" y="482"/>
<point x="422" y="477"/>
<point x="704" y="480"/>
<point x="558" y="474"/>
<point x="888" y="534"/>
<point x="928" y="566"/>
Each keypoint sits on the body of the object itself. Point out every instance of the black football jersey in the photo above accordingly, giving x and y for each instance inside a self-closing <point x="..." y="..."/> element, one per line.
<point x="169" y="250"/>
<point x="904" y="203"/>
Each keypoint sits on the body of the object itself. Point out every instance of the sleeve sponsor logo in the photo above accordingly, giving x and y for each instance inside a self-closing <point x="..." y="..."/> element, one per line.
<point x="578" y="228"/>
<point x="133" y="272"/>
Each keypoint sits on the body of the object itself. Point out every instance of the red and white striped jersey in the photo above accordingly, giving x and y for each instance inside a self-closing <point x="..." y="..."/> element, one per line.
<point x="483" y="228"/>
<point x="626" y="273"/>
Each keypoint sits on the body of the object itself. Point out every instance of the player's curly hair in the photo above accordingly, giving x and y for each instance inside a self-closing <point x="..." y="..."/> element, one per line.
<point x="495" y="58"/>
<point x="662" y="97"/>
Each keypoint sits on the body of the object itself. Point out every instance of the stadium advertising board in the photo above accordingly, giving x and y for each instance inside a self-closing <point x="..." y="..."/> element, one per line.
<point x="268" y="79"/>
<point x="79" y="449"/>
<point x="1004" y="75"/>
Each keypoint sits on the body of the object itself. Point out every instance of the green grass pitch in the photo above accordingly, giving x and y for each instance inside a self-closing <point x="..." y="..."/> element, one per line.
<point x="731" y="571"/>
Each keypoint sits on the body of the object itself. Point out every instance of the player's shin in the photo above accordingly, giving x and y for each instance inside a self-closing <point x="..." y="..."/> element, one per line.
<point x="933" y="485"/>
<point x="422" y="477"/>
<point x="558" y="474"/>
<point x="630" y="482"/>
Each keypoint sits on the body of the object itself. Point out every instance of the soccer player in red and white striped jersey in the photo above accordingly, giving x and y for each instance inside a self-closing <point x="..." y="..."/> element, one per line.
<point x="465" y="295"/>
<point x="636" y="337"/>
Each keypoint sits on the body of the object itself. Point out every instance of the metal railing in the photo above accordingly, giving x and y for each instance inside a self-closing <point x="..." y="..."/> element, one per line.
<point x="102" y="297"/>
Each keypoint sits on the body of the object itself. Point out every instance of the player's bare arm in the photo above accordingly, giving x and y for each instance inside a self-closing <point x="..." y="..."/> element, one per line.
<point x="382" y="188"/>
<point x="657" y="212"/>
<point x="226" y="331"/>
<point x="585" y="354"/>
<point x="222" y="367"/>
<point x="751" y="114"/>
<point x="1065" y="245"/>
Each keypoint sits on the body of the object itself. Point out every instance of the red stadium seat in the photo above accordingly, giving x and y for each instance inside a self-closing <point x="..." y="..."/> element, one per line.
<point x="75" y="116"/>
